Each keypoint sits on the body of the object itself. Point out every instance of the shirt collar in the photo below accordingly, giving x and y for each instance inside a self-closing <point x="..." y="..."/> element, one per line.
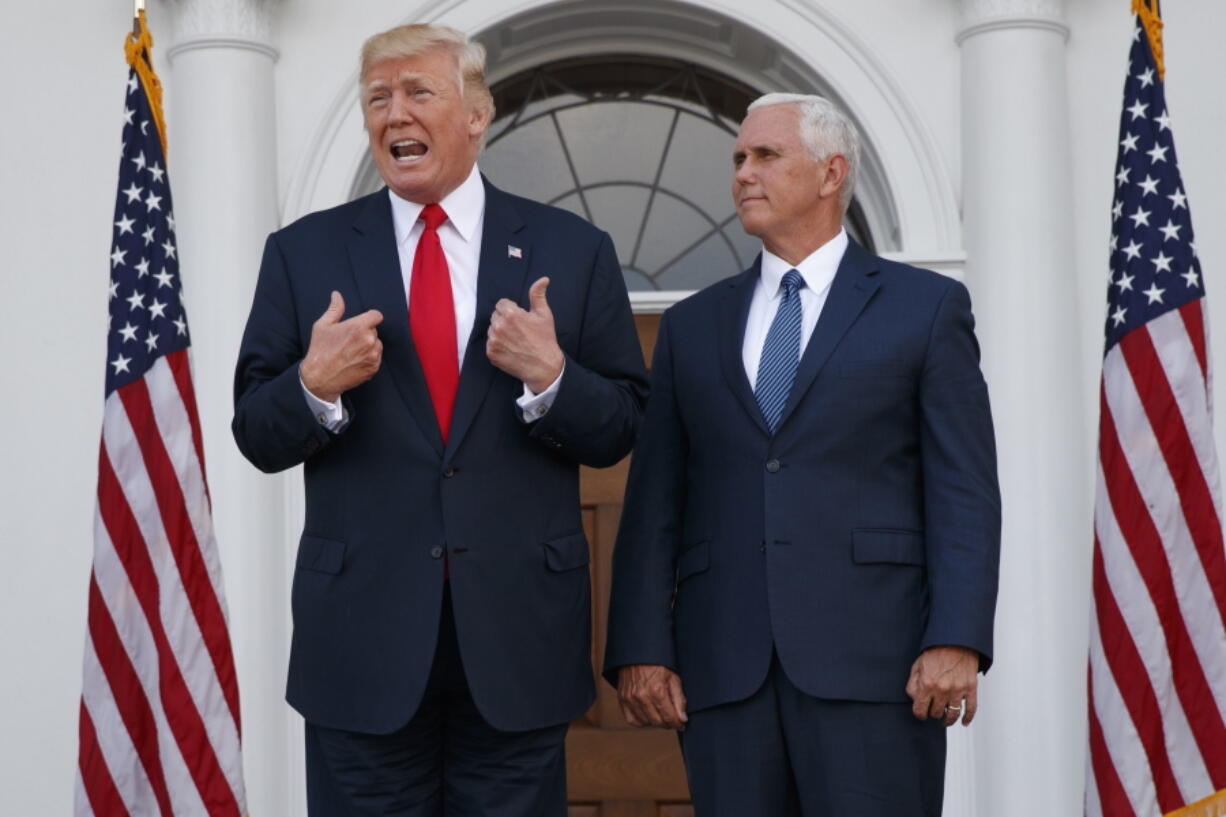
<point x="464" y="206"/>
<point x="817" y="269"/>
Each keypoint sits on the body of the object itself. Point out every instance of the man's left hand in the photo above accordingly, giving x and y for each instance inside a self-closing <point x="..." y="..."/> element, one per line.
<point x="523" y="343"/>
<point x="944" y="684"/>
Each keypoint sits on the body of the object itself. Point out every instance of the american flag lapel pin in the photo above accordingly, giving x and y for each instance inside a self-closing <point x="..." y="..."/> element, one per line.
<point x="514" y="252"/>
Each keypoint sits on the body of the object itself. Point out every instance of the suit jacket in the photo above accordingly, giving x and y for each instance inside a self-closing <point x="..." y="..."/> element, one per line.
<point x="386" y="499"/>
<point x="864" y="531"/>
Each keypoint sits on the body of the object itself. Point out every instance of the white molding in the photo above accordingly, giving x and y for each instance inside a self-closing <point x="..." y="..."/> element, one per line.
<point x="977" y="11"/>
<point x="980" y="16"/>
<point x="1012" y="23"/>
<point x="239" y="43"/>
<point x="653" y="303"/>
<point x="225" y="19"/>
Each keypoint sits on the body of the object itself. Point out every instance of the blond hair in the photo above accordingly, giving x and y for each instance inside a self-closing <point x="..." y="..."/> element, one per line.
<point x="411" y="40"/>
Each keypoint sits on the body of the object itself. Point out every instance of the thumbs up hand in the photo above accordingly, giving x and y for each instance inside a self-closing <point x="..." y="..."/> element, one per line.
<point x="343" y="353"/>
<point x="523" y="343"/>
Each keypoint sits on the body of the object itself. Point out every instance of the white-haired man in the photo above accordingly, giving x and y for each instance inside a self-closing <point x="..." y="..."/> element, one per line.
<point x="805" y="575"/>
<point x="402" y="347"/>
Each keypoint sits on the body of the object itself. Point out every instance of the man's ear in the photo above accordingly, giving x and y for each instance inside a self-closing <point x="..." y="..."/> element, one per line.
<point x="834" y="174"/>
<point x="478" y="120"/>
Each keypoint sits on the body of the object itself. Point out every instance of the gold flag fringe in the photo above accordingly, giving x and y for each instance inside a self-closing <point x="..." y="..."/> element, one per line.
<point x="1147" y="11"/>
<point x="138" y="48"/>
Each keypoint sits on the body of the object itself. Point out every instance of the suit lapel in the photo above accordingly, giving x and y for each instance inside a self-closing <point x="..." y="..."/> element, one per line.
<point x="376" y="267"/>
<point x="499" y="275"/>
<point x="733" y="313"/>
<point x="853" y="286"/>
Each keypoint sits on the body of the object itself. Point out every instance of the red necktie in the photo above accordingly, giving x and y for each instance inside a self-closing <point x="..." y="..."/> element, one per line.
<point x="432" y="318"/>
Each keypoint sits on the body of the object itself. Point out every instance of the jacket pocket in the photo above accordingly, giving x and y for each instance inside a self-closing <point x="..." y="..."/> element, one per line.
<point x="887" y="546"/>
<point x="320" y="555"/>
<point x="694" y="559"/>
<point x="566" y="552"/>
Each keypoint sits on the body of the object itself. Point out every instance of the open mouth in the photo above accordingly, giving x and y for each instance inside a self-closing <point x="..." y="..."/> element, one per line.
<point x="408" y="150"/>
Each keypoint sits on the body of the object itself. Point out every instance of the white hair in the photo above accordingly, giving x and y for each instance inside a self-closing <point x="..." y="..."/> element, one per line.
<point x="824" y="130"/>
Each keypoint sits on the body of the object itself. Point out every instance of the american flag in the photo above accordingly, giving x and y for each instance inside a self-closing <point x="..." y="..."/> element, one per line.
<point x="159" y="715"/>
<point x="1157" y="674"/>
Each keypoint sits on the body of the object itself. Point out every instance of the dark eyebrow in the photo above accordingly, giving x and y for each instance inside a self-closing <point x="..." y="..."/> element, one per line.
<point x="757" y="150"/>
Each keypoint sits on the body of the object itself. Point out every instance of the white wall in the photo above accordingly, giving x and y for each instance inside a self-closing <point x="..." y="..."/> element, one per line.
<point x="63" y="77"/>
<point x="62" y="73"/>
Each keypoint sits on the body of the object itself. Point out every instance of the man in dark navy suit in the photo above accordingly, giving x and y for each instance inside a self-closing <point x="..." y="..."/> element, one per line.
<point x="805" y="575"/>
<point x="441" y="392"/>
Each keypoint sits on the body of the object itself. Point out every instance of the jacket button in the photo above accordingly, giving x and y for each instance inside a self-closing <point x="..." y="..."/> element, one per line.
<point x="436" y="552"/>
<point x="772" y="466"/>
<point x="449" y="472"/>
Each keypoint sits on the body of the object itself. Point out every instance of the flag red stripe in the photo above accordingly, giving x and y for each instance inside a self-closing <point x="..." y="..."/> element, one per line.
<point x="173" y="507"/>
<point x="180" y="368"/>
<point x="128" y="693"/>
<point x="1194" y="497"/>
<point x="1111" y="792"/>
<point x="1194" y="319"/>
<point x="181" y="713"/>
<point x="100" y="789"/>
<point x="1146" y="547"/>
<point x="1128" y="672"/>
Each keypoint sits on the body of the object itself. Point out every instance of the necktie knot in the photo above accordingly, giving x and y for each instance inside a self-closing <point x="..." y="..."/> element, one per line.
<point x="792" y="282"/>
<point x="433" y="215"/>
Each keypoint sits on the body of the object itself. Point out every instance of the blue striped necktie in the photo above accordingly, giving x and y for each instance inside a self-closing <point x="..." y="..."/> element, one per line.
<point x="780" y="353"/>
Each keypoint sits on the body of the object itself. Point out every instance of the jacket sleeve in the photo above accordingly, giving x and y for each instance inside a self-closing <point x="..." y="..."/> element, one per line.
<point x="273" y="424"/>
<point x="645" y="556"/>
<point x="961" y="494"/>
<point x="595" y="417"/>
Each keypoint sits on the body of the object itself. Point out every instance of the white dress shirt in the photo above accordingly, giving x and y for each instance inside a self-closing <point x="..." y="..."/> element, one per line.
<point x="460" y="236"/>
<point x="817" y="270"/>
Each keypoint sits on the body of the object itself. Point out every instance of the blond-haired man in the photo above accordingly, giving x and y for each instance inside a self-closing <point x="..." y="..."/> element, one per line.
<point x="441" y="356"/>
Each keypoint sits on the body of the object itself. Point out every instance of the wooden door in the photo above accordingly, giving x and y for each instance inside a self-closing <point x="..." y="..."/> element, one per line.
<point x="613" y="769"/>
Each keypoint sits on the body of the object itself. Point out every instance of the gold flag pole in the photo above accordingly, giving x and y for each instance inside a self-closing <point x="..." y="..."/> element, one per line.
<point x="138" y="8"/>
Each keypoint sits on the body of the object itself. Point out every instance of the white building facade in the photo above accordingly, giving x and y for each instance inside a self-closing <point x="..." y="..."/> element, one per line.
<point x="990" y="133"/>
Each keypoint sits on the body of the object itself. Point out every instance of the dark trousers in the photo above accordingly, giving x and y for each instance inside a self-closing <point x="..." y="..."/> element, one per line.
<point x="782" y="753"/>
<point x="445" y="762"/>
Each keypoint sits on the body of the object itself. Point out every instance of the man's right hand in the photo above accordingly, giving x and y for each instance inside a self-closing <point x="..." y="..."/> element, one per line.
<point x="650" y="695"/>
<point x="343" y="353"/>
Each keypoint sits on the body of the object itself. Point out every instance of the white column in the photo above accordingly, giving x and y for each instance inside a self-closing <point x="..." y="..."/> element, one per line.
<point x="222" y="144"/>
<point x="1029" y="744"/>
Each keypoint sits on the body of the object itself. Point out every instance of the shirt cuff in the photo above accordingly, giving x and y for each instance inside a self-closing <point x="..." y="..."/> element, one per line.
<point x="535" y="406"/>
<point x="331" y="416"/>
